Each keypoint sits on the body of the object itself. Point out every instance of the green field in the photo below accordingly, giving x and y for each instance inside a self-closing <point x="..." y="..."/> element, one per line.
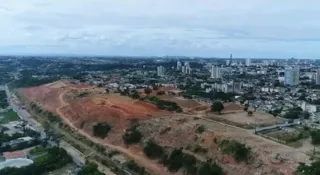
<point x="9" y="116"/>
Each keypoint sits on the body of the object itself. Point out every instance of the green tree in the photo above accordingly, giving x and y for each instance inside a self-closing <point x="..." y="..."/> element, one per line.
<point x="217" y="107"/>
<point x="153" y="150"/>
<point x="315" y="137"/>
<point x="210" y="169"/>
<point x="90" y="169"/>
<point x="101" y="130"/>
<point x="132" y="136"/>
<point x="147" y="90"/>
<point x="313" y="169"/>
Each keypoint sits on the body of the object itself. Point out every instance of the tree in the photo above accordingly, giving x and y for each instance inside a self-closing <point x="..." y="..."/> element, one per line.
<point x="135" y="95"/>
<point x="217" y="107"/>
<point x="153" y="150"/>
<point x="147" y="90"/>
<point x="315" y="137"/>
<point x="312" y="169"/>
<point x="90" y="169"/>
<point x="132" y="136"/>
<point x="101" y="130"/>
<point x="209" y="169"/>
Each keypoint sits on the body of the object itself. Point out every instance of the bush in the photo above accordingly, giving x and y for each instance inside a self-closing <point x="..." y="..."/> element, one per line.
<point x="160" y="93"/>
<point x="315" y="137"/>
<point x="238" y="150"/>
<point x="210" y="169"/>
<point x="200" y="129"/>
<point x="133" y="166"/>
<point x="153" y="150"/>
<point x="132" y="136"/>
<point x="200" y="149"/>
<point x="174" y="162"/>
<point x="101" y="130"/>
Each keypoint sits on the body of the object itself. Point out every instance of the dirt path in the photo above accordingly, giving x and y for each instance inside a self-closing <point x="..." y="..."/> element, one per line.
<point x="140" y="159"/>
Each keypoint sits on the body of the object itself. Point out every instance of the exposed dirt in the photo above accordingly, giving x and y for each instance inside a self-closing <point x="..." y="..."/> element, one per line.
<point x="185" y="136"/>
<point x="82" y="107"/>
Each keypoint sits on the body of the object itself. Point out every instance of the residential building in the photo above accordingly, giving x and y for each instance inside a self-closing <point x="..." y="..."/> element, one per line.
<point x="186" y="69"/>
<point x="248" y="62"/>
<point x="160" y="71"/>
<point x="179" y="65"/>
<point x="291" y="76"/>
<point x="318" y="77"/>
<point x="14" y="155"/>
<point x="215" y="72"/>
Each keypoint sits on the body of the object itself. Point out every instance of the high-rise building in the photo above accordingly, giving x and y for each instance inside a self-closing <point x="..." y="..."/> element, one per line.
<point x="186" y="69"/>
<point x="160" y="71"/>
<point x="179" y="65"/>
<point x="215" y="72"/>
<point x="318" y="77"/>
<point x="291" y="76"/>
<point x="248" y="62"/>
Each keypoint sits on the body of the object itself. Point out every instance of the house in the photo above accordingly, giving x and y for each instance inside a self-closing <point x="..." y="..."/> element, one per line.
<point x="14" y="155"/>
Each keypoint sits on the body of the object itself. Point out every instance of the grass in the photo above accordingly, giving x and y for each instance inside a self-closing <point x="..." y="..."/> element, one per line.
<point x="9" y="116"/>
<point x="38" y="151"/>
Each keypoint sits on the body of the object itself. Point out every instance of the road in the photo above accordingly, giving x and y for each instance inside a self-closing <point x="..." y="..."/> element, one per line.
<point x="77" y="157"/>
<point x="25" y="115"/>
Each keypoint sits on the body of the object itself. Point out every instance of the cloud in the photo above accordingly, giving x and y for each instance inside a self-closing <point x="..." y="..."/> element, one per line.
<point x="250" y="28"/>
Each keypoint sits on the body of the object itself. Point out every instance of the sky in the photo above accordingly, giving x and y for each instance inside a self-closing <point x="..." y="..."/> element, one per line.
<point x="206" y="28"/>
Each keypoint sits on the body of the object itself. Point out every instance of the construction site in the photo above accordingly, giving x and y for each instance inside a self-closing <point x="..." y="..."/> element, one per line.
<point x="82" y="106"/>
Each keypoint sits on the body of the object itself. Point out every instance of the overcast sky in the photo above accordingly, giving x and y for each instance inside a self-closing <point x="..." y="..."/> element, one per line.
<point x="211" y="28"/>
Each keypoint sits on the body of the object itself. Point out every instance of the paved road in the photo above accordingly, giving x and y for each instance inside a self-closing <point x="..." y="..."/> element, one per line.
<point x="25" y="115"/>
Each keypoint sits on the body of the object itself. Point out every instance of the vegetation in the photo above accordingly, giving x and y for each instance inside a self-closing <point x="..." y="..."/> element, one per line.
<point x="293" y="113"/>
<point x="3" y="100"/>
<point x="132" y="136"/>
<point x="90" y="169"/>
<point x="200" y="149"/>
<point x="147" y="90"/>
<point x="135" y="95"/>
<point x="313" y="169"/>
<point x="209" y="168"/>
<point x="38" y="150"/>
<point x="217" y="107"/>
<point x="315" y="137"/>
<point x="133" y="166"/>
<point x="160" y="93"/>
<point x="177" y="160"/>
<point x="165" y="105"/>
<point x="101" y="130"/>
<point x="238" y="150"/>
<point x="56" y="158"/>
<point x="200" y="129"/>
<point x="5" y="137"/>
<point x="30" y="82"/>
<point x="153" y="150"/>
<point x="9" y="116"/>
